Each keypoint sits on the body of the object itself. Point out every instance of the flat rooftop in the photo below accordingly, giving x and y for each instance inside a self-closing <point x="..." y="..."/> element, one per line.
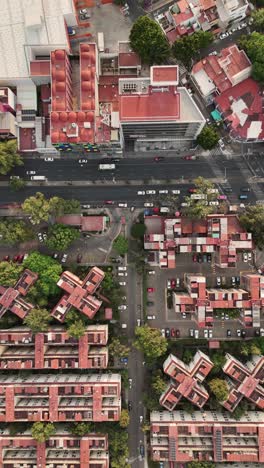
<point x="164" y="75"/>
<point x="145" y="107"/>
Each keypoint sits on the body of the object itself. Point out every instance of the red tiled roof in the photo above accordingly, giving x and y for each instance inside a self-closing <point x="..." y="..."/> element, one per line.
<point x="182" y="17"/>
<point x="87" y="223"/>
<point x="156" y="106"/>
<point x="129" y="59"/>
<point x="165" y="73"/>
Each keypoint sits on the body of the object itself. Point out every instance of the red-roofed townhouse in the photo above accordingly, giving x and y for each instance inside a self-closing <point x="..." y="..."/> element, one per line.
<point x="186" y="380"/>
<point x="62" y="449"/>
<point x="20" y="349"/>
<point x="79" y="294"/>
<point x="10" y="298"/>
<point x="206" y="436"/>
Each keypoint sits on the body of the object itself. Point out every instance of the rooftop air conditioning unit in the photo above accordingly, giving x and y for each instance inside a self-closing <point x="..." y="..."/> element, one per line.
<point x="74" y="125"/>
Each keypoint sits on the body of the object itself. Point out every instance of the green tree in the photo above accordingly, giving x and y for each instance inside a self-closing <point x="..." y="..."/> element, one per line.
<point x="150" y="342"/>
<point x="70" y="206"/>
<point x="138" y="230"/>
<point x="117" y="349"/>
<point x="200" y="464"/>
<point x="158" y="384"/>
<point x="124" y="418"/>
<point x="38" y="207"/>
<point x="208" y="138"/>
<point x="218" y="360"/>
<point x="147" y="39"/>
<point x="219" y="389"/>
<point x="81" y="429"/>
<point x="121" y="245"/>
<point x="186" y="48"/>
<point x="60" y="237"/>
<point x="14" y="231"/>
<point x="9" y="156"/>
<point x="118" y="446"/>
<point x="187" y="356"/>
<point x="201" y="208"/>
<point x="76" y="329"/>
<point x="258" y="19"/>
<point x="253" y="45"/>
<point x="252" y="221"/>
<point x="48" y="271"/>
<point x="17" y="184"/>
<point x="151" y="402"/>
<point x="38" y="320"/>
<point x="9" y="273"/>
<point x="42" y="431"/>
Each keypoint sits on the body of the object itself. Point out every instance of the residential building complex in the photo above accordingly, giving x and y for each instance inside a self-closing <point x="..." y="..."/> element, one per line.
<point x="157" y="111"/>
<point x="206" y="436"/>
<point x="215" y="74"/>
<point x="244" y="381"/>
<point x="186" y="380"/>
<point x="60" y="397"/>
<point x="221" y="235"/>
<point x="203" y="302"/>
<point x="10" y="298"/>
<point x="20" y="349"/>
<point x="79" y="294"/>
<point x="62" y="449"/>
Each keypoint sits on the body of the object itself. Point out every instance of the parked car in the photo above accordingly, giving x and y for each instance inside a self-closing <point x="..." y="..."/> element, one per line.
<point x="176" y="192"/>
<point x="184" y="316"/>
<point x="167" y="332"/>
<point x="64" y="258"/>
<point x="163" y="192"/>
<point x="150" y="192"/>
<point x="141" y="192"/>
<point x="210" y="333"/>
<point x="151" y="290"/>
<point x="151" y="317"/>
<point x="221" y="144"/>
<point x="159" y="158"/>
<point x="238" y="333"/>
<point x="212" y="53"/>
<point x="138" y="322"/>
<point x="204" y="258"/>
<point x="130" y="382"/>
<point x="109" y="202"/>
<point x="261" y="331"/>
<point x="150" y="303"/>
<point x="31" y="172"/>
<point x="178" y="333"/>
<point x="83" y="161"/>
<point x="218" y="281"/>
<point x="122" y="283"/>
<point x="233" y="281"/>
<point x="249" y="256"/>
<point x="173" y="333"/>
<point x="194" y="258"/>
<point x="209" y="258"/>
<point x="122" y="268"/>
<point x="245" y="256"/>
<point x="177" y="283"/>
<point x="83" y="11"/>
<point x="196" y="334"/>
<point x="122" y="307"/>
<point x="122" y="205"/>
<point x="191" y="332"/>
<point x="163" y="332"/>
<point x="206" y="333"/>
<point x="151" y="272"/>
<point x="85" y="207"/>
<point x="48" y="159"/>
<point x="190" y="157"/>
<point x="192" y="190"/>
<point x="228" y="333"/>
<point x="6" y="258"/>
<point x="148" y="205"/>
<point x="40" y="237"/>
<point x="122" y="273"/>
<point x="243" y="333"/>
<point x="129" y="405"/>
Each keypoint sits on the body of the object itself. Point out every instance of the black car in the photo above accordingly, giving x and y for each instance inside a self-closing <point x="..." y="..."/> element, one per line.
<point x="129" y="406"/>
<point x="150" y="303"/>
<point x="243" y="333"/>
<point x="257" y="332"/>
<point x="228" y="190"/>
<point x="228" y="333"/>
<point x="245" y="189"/>
<point x="115" y="160"/>
<point x="209" y="258"/>
<point x="200" y="259"/>
<point x="167" y="332"/>
<point x="142" y="450"/>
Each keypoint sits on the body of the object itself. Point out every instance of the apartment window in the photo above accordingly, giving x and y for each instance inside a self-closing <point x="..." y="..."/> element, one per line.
<point x="128" y="87"/>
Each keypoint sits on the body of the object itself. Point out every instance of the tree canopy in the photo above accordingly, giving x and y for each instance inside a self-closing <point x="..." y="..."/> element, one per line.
<point x="147" y="39"/>
<point x="138" y="230"/>
<point x="76" y="329"/>
<point x="124" y="418"/>
<point x="117" y="349"/>
<point x="252" y="220"/>
<point x="121" y="245"/>
<point x="40" y="208"/>
<point x="208" y="138"/>
<point x="81" y="429"/>
<point x="200" y="464"/>
<point x="14" y="231"/>
<point x="9" y="156"/>
<point x="200" y="208"/>
<point x="150" y="342"/>
<point x="42" y="431"/>
<point x="38" y="320"/>
<point x="253" y="44"/>
<point x="9" y="273"/>
<point x="60" y="237"/>
<point x="186" y="48"/>
<point x="17" y="184"/>
<point x="258" y="19"/>
<point x="219" y="389"/>
<point x="48" y="271"/>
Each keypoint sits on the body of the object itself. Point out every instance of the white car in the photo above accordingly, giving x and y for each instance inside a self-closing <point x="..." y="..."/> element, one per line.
<point x="245" y="256"/>
<point x="148" y="205"/>
<point x="31" y="172"/>
<point x="176" y="192"/>
<point x="40" y="237"/>
<point x="85" y="207"/>
<point x="82" y="161"/>
<point x="196" y="334"/>
<point x="213" y="53"/>
<point x="151" y="317"/>
<point x="122" y="205"/>
<point x="178" y="282"/>
<point x="163" y="192"/>
<point x="150" y="192"/>
<point x="122" y="283"/>
<point x="218" y="281"/>
<point x="184" y="315"/>
<point x="210" y="333"/>
<point x="130" y="381"/>
<point x="138" y="322"/>
<point x="163" y="332"/>
<point x="206" y="333"/>
<point x="191" y="332"/>
<point x="239" y="333"/>
<point x="261" y="331"/>
<point x="221" y="144"/>
<point x="132" y="208"/>
<point x="122" y="273"/>
<point x="48" y="159"/>
<point x="64" y="258"/>
<point x="122" y="307"/>
<point x="151" y="272"/>
<point x="141" y="192"/>
<point x="249" y="256"/>
<point x="214" y="203"/>
<point x="223" y="35"/>
<point x="83" y="11"/>
<point x="120" y="268"/>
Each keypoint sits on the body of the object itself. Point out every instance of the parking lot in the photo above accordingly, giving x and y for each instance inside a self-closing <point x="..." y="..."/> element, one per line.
<point x="166" y="317"/>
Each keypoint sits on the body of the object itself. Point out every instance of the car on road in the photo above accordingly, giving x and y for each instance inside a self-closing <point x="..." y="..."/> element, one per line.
<point x="6" y="258"/>
<point x="210" y="333"/>
<point x="85" y="207"/>
<point x="122" y="268"/>
<point x="122" y="273"/>
<point x="163" y="192"/>
<point x="249" y="256"/>
<point x="245" y="189"/>
<point x="176" y="284"/>
<point x="167" y="332"/>
<point x="221" y="144"/>
<point x="212" y="53"/>
<point x="83" y="11"/>
<point x="196" y="334"/>
<point x="218" y="281"/>
<point x="257" y="332"/>
<point x="48" y="159"/>
<point x="138" y="322"/>
<point x="150" y="303"/>
<point x="238" y="333"/>
<point x="173" y="333"/>
<point x="190" y="157"/>
<point x="40" y="237"/>
<point x="122" y="283"/>
<point x="82" y="161"/>
<point x="261" y="331"/>
<point x="191" y="332"/>
<point x="150" y="192"/>
<point x="209" y="258"/>
<point x="85" y="17"/>
<point x="222" y="197"/>
<point x="129" y="405"/>
<point x="151" y="317"/>
<point x="163" y="332"/>
<point x="151" y="272"/>
<point x="64" y="258"/>
<point x="122" y="307"/>
<point x="79" y="258"/>
<point x="214" y="203"/>
<point x="140" y="419"/>
<point x="204" y="256"/>
<point x="122" y="205"/>
<point x="223" y="36"/>
<point x="243" y="333"/>
<point x="192" y="190"/>
<point x="142" y="450"/>
<point x="245" y="256"/>
<point x="184" y="316"/>
<point x="194" y="258"/>
<point x="159" y="158"/>
<point x="233" y="280"/>
<point x="132" y="208"/>
<point x="148" y="205"/>
<point x="151" y="290"/>
<point x="31" y="172"/>
<point x="176" y="192"/>
<point x="206" y="333"/>
<point x="141" y="192"/>
<point x="168" y="284"/>
<point x="130" y="382"/>
<point x="228" y="333"/>
<point x="109" y="202"/>
<point x="178" y="333"/>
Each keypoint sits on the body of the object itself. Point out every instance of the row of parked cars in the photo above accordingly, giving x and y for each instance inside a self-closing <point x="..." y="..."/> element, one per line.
<point x="19" y="258"/>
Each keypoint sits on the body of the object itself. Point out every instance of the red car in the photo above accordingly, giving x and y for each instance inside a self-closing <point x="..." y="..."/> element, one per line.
<point x="151" y="289"/>
<point x="109" y="202"/>
<point x="6" y="258"/>
<point x="155" y="209"/>
<point x="173" y="333"/>
<point x="192" y="190"/>
<point x="20" y="258"/>
<point x="15" y="258"/>
<point x="159" y="158"/>
<point x="173" y="283"/>
<point x="194" y="258"/>
<point x="190" y="158"/>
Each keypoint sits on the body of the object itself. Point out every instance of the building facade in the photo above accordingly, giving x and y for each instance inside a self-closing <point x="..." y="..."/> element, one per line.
<point x="12" y="298"/>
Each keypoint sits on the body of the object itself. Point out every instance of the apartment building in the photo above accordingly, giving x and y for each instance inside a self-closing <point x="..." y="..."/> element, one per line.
<point x="62" y="450"/>
<point x="230" y="11"/>
<point x="186" y="380"/>
<point x="20" y="349"/>
<point x="155" y="110"/>
<point x="180" y="437"/>
<point x="79" y="294"/>
<point x="60" y="397"/>
<point x="202" y="301"/>
<point x="244" y="381"/>
<point x="215" y="74"/>
<point x="11" y="298"/>
<point x="221" y="235"/>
